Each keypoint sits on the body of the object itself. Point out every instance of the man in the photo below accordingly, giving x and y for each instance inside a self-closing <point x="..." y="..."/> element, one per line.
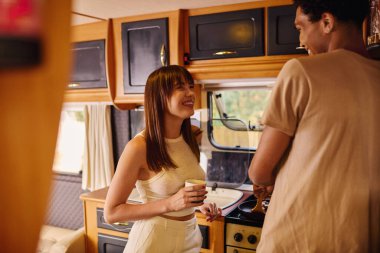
<point x="321" y="144"/>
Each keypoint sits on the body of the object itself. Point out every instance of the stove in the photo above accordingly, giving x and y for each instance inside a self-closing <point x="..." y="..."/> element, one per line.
<point x="242" y="234"/>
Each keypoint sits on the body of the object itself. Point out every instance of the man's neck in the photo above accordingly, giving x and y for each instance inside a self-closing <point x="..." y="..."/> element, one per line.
<point x="350" y="38"/>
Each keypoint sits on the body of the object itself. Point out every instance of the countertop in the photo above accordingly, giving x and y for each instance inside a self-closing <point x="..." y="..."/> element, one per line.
<point x="100" y="196"/>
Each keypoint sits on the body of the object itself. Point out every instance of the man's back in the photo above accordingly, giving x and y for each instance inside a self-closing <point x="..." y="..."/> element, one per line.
<point x="325" y="193"/>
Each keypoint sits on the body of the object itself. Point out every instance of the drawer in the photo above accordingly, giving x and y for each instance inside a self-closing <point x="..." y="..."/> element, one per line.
<point x="111" y="244"/>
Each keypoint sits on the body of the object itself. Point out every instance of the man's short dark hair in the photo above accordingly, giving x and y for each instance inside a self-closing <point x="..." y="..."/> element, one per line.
<point x="353" y="11"/>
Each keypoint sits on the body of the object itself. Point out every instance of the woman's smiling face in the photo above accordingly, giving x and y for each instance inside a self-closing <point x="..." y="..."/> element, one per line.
<point x="181" y="101"/>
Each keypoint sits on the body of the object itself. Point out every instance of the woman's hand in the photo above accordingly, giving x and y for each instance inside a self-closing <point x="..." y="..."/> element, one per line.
<point x="211" y="211"/>
<point x="263" y="191"/>
<point x="190" y="196"/>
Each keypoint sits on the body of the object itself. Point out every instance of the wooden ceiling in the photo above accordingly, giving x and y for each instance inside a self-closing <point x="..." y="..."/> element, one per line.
<point x="88" y="11"/>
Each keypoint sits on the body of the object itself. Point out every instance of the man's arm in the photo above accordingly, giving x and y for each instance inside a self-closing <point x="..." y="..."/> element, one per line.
<point x="273" y="144"/>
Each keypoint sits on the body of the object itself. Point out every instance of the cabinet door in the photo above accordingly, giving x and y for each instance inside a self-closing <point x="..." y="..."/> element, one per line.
<point x="89" y="67"/>
<point x="145" y="48"/>
<point x="226" y="35"/>
<point x="283" y="38"/>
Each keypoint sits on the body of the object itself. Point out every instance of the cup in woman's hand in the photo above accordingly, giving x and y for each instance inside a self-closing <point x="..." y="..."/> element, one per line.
<point x="192" y="182"/>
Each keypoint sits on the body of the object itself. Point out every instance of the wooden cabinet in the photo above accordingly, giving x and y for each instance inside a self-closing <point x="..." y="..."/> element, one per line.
<point x="283" y="38"/>
<point x="145" y="49"/>
<point x="213" y="240"/>
<point x="89" y="67"/>
<point x="143" y="44"/>
<point x="227" y="34"/>
<point x="268" y="64"/>
<point x="134" y="46"/>
<point x="92" y="75"/>
<point x="104" y="238"/>
<point x="92" y="202"/>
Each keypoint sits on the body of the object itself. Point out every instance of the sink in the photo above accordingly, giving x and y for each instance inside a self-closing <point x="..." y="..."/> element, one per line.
<point x="222" y="197"/>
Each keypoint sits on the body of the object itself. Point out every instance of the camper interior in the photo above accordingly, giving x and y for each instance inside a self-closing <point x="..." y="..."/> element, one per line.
<point x="77" y="84"/>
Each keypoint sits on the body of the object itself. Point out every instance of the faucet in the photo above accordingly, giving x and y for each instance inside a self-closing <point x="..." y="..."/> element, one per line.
<point x="214" y="186"/>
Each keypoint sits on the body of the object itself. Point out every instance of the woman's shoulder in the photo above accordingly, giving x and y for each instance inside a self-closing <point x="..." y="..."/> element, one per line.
<point x="137" y="145"/>
<point x="140" y="134"/>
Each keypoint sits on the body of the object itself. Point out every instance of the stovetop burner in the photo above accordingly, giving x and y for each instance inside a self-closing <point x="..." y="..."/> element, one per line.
<point x="237" y="218"/>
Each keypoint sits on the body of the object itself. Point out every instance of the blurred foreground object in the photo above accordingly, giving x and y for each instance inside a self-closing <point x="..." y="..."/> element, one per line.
<point x="20" y="33"/>
<point x="30" y="104"/>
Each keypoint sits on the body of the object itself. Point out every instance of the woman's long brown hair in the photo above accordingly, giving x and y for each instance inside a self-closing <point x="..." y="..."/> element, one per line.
<point x="158" y="90"/>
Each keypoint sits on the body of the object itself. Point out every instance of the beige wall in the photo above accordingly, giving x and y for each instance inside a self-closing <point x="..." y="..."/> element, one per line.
<point x="30" y="103"/>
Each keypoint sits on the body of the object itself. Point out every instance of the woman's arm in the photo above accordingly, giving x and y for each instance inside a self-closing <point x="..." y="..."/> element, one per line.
<point x="129" y="168"/>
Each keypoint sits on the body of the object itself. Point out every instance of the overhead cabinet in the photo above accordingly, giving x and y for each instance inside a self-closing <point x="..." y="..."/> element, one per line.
<point x="142" y="45"/>
<point x="227" y="35"/>
<point x="89" y="67"/>
<point x="145" y="48"/>
<point x="92" y="71"/>
<point x="283" y="38"/>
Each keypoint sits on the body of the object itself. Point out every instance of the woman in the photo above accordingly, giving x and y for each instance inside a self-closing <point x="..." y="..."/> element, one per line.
<point x="158" y="161"/>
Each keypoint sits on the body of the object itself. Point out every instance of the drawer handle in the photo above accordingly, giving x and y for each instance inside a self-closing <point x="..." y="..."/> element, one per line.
<point x="125" y="223"/>
<point x="224" y="53"/>
<point x="121" y="223"/>
<point x="163" y="55"/>
<point x="73" y="85"/>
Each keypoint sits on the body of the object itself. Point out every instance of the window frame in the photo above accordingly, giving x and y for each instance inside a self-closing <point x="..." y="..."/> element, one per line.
<point x="210" y="127"/>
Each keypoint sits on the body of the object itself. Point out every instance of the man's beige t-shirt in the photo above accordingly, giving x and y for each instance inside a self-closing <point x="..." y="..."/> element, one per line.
<point x="327" y="191"/>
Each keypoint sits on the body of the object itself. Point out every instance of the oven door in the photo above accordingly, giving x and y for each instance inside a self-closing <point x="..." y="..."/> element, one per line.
<point x="230" y="249"/>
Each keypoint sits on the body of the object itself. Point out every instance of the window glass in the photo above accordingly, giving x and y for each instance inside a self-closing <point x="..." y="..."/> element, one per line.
<point x="235" y="117"/>
<point x="71" y="139"/>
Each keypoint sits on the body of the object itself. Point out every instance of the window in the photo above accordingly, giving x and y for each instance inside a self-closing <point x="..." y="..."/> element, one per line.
<point x="71" y="139"/>
<point x="232" y="128"/>
<point x="235" y="117"/>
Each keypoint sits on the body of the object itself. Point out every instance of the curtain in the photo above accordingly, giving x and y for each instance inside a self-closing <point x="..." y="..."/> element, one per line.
<point x="98" y="164"/>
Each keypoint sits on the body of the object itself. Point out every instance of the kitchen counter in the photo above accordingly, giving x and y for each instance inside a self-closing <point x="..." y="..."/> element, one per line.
<point x="94" y="201"/>
<point x="99" y="196"/>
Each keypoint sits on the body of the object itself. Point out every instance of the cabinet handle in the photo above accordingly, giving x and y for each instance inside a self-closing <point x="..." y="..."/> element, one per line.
<point x="300" y="46"/>
<point x="121" y="223"/>
<point x="224" y="53"/>
<point x="73" y="85"/>
<point x="163" y="55"/>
